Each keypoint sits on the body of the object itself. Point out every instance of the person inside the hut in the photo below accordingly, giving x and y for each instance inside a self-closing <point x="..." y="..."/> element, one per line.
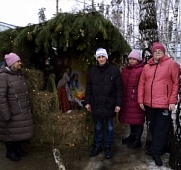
<point x="64" y="93"/>
<point x="103" y="98"/>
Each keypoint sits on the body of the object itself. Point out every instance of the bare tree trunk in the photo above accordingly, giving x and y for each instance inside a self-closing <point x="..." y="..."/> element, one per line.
<point x="134" y="23"/>
<point x="148" y="23"/>
<point x="117" y="12"/>
<point x="93" y="5"/>
<point x="57" y="7"/>
<point x="163" y="22"/>
<point x="124" y="18"/>
<point x="128" y="21"/>
<point x="174" y="36"/>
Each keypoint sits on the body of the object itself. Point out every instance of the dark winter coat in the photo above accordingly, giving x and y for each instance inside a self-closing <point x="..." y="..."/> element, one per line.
<point x="131" y="113"/>
<point x="103" y="90"/>
<point x="15" y="115"/>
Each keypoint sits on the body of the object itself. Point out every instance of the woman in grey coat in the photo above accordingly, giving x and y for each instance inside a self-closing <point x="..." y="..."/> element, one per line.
<point x="16" y="123"/>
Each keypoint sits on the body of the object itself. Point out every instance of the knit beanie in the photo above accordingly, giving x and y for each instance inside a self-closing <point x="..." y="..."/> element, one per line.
<point x="135" y="54"/>
<point x="101" y="52"/>
<point x="11" y="58"/>
<point x="156" y="46"/>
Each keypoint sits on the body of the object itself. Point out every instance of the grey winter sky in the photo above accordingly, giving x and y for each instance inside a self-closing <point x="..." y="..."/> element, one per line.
<point x="23" y="12"/>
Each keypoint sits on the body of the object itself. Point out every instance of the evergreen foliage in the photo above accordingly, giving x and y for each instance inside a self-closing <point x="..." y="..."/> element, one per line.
<point x="67" y="35"/>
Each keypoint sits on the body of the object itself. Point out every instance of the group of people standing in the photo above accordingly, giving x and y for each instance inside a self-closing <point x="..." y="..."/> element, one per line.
<point x="137" y="91"/>
<point x="140" y="90"/>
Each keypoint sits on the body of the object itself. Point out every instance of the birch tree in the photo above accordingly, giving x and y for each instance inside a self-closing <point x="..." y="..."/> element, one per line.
<point x="148" y="22"/>
<point x="163" y="22"/>
<point x="116" y="14"/>
<point x="174" y="34"/>
<point x="57" y="6"/>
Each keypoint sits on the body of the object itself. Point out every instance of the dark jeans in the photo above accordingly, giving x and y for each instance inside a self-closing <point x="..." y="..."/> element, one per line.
<point x="109" y="128"/>
<point x="160" y="120"/>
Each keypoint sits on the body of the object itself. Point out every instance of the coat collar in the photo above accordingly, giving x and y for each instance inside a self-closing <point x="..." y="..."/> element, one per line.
<point x="140" y="64"/>
<point x="164" y="58"/>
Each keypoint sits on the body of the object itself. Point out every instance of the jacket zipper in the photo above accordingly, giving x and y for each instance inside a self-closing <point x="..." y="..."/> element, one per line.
<point x="133" y="93"/>
<point x="153" y="81"/>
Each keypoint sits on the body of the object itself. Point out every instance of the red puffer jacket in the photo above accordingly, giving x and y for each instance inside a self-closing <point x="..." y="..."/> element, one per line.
<point x="131" y="113"/>
<point x="158" y="85"/>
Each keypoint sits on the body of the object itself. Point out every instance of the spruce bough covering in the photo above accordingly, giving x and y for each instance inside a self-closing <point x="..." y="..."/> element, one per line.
<point x="77" y="35"/>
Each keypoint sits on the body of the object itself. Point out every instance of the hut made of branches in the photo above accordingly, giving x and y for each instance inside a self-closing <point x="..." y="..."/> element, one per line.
<point x="65" y="36"/>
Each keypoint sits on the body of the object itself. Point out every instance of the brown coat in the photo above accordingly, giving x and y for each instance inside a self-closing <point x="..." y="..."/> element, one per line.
<point x="15" y="115"/>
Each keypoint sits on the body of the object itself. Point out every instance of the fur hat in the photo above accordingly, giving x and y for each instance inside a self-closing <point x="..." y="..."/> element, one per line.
<point x="156" y="46"/>
<point x="101" y="52"/>
<point x="135" y="54"/>
<point x="11" y="58"/>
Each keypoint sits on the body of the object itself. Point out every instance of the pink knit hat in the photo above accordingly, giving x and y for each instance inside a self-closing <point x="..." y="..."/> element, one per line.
<point x="156" y="46"/>
<point x="135" y="54"/>
<point x="11" y="58"/>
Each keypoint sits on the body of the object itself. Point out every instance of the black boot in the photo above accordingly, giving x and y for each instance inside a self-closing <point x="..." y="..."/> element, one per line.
<point x="136" y="144"/>
<point x="158" y="160"/>
<point x="11" y="153"/>
<point x="148" y="151"/>
<point x="95" y="151"/>
<point x="129" y="139"/>
<point x="19" y="150"/>
<point x="108" y="154"/>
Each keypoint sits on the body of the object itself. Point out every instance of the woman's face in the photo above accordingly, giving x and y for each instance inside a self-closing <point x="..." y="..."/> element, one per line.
<point x="132" y="61"/>
<point x="157" y="54"/>
<point x="16" y="66"/>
